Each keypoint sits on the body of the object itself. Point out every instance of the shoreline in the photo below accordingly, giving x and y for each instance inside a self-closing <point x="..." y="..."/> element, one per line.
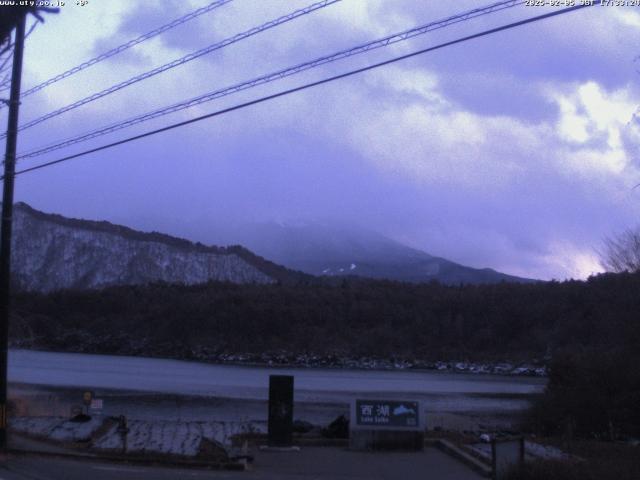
<point x="533" y="368"/>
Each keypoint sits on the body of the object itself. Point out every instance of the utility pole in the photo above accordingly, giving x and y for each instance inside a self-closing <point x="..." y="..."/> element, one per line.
<point x="7" y="218"/>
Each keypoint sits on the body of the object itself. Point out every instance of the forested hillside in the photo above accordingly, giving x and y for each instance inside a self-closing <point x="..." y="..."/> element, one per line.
<point x="350" y="318"/>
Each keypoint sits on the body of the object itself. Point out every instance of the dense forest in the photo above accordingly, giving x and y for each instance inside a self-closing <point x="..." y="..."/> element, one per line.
<point x="347" y="317"/>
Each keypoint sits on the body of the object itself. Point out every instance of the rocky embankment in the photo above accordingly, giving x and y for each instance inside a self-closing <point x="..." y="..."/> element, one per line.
<point x="368" y="363"/>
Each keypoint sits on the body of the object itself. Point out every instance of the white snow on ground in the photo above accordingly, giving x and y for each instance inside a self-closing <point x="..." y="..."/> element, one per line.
<point x="169" y="437"/>
<point x="532" y="451"/>
<point x="546" y="452"/>
<point x="143" y="437"/>
<point x="56" y="428"/>
<point x="36" y="426"/>
<point x="69" y="431"/>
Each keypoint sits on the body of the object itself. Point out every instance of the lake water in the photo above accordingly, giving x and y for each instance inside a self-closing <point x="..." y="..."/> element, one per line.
<point x="238" y="390"/>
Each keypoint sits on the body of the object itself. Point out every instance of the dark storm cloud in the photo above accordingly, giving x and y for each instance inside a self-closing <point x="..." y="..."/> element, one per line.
<point x="509" y="152"/>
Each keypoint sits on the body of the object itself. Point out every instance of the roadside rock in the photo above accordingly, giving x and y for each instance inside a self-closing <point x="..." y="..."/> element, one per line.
<point x="339" y="428"/>
<point x="302" y="426"/>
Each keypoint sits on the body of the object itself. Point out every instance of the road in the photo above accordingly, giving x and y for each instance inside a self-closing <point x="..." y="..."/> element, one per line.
<point x="317" y="463"/>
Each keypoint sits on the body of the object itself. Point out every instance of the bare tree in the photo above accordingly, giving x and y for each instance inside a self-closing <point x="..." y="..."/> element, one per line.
<point x="622" y="252"/>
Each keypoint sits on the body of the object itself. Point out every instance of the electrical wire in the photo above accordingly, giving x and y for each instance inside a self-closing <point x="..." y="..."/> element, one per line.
<point x="126" y="46"/>
<point x="4" y="85"/>
<point x="180" y="61"/>
<point x="3" y="65"/>
<point x="307" y="86"/>
<point x="363" y="48"/>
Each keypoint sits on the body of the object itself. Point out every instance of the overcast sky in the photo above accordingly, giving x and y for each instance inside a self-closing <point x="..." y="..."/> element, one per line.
<point x="517" y="151"/>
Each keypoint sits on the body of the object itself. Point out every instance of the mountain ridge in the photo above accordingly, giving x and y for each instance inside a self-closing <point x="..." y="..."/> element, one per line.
<point x="329" y="250"/>
<point x="139" y="257"/>
<point x="53" y="252"/>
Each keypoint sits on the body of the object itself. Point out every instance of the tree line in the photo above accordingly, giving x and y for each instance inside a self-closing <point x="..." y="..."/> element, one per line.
<point x="588" y="331"/>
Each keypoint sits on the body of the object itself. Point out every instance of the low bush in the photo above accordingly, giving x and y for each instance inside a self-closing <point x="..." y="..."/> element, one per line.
<point x="591" y="394"/>
<point x="619" y="466"/>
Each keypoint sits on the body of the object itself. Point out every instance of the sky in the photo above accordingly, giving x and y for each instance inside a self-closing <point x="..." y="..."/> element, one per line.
<point x="518" y="151"/>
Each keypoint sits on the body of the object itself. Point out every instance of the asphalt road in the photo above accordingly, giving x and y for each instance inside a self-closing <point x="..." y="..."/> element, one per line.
<point x="317" y="463"/>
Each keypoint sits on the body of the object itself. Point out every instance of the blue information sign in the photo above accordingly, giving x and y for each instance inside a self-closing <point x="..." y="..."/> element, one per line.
<point x="387" y="413"/>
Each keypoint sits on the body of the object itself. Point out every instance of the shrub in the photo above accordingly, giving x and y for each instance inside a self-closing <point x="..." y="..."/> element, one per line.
<point x="591" y="394"/>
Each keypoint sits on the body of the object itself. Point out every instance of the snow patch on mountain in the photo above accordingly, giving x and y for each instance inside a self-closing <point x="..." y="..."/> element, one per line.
<point x="49" y="254"/>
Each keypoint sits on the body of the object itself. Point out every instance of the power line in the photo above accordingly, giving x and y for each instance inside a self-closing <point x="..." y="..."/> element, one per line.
<point x="181" y="61"/>
<point x="5" y="83"/>
<point x="5" y="65"/>
<point x="126" y="46"/>
<point x="207" y="97"/>
<point x="6" y="79"/>
<point x="8" y="47"/>
<point x="31" y="29"/>
<point x="307" y="86"/>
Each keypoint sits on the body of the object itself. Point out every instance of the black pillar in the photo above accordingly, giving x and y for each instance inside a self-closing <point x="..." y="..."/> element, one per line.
<point x="280" y="410"/>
